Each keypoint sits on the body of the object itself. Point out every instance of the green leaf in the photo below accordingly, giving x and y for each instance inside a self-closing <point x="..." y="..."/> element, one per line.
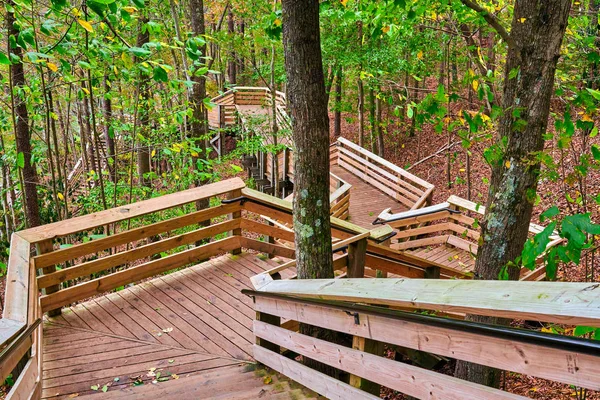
<point x="160" y="75"/>
<point x="536" y="246"/>
<point x="583" y="330"/>
<point x="94" y="387"/>
<point x="409" y="111"/>
<point x="549" y="213"/>
<point x="139" y="51"/>
<point x="596" y="152"/>
<point x="595" y="93"/>
<point x="139" y="3"/>
<point x="105" y="388"/>
<point x="21" y="160"/>
<point x="4" y="59"/>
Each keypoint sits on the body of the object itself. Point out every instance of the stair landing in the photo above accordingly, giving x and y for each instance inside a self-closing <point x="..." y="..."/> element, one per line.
<point x="186" y="335"/>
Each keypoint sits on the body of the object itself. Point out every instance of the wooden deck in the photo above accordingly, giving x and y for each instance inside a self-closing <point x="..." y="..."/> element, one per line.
<point x="366" y="201"/>
<point x="190" y="331"/>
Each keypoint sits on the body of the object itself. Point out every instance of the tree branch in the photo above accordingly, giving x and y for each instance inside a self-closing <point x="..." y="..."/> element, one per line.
<point x="490" y="19"/>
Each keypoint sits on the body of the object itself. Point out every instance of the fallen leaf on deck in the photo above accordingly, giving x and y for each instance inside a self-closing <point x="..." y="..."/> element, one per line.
<point x="94" y="387"/>
<point x="167" y="330"/>
<point x="267" y="380"/>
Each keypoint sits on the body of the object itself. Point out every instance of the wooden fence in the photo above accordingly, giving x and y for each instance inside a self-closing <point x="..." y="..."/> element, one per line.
<point x="401" y="185"/>
<point x="333" y="304"/>
<point x="449" y="233"/>
<point x="77" y="259"/>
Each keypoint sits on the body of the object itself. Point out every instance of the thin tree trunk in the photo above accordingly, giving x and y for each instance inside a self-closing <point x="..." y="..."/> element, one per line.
<point x="198" y="124"/>
<point x="372" y="118"/>
<point x="143" y="154"/>
<point x="337" y="115"/>
<point x="308" y="106"/>
<point x="378" y="127"/>
<point x="231" y="65"/>
<point x="537" y="31"/>
<point x="108" y="133"/>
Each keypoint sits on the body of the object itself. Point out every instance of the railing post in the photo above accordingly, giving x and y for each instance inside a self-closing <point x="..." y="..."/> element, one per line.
<point x="432" y="273"/>
<point x="44" y="247"/>
<point x="357" y="252"/>
<point x="238" y="214"/>
<point x="372" y="347"/>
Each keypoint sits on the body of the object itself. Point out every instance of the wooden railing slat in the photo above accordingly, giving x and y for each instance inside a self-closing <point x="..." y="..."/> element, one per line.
<point x="136" y="273"/>
<point x="104" y="263"/>
<point x="561" y="302"/>
<point x="405" y="378"/>
<point x="506" y="354"/>
<point x="93" y="246"/>
<point x="17" y="280"/>
<point x="325" y="385"/>
<point x="90" y="221"/>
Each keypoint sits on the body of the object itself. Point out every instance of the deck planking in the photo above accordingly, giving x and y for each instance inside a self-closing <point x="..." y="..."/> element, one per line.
<point x="366" y="201"/>
<point x="188" y="324"/>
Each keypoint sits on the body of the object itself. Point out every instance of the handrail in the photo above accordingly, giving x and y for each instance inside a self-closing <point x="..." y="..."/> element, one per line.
<point x="386" y="216"/>
<point x="569" y="360"/>
<point x="558" y="302"/>
<point x="549" y="340"/>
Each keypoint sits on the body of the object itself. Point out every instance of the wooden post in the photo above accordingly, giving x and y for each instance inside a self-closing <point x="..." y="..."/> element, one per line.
<point x="42" y="248"/>
<point x="432" y="273"/>
<point x="372" y="347"/>
<point x="238" y="214"/>
<point x="357" y="252"/>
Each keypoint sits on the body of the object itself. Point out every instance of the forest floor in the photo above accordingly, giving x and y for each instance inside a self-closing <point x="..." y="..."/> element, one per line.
<point x="405" y="151"/>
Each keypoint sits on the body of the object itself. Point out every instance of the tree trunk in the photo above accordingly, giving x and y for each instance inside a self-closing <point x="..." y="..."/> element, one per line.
<point x="308" y="106"/>
<point x="143" y="155"/>
<point x="361" y="93"/>
<point x="378" y="130"/>
<point x="198" y="124"/>
<point x="337" y="115"/>
<point x="21" y="126"/>
<point x="231" y="65"/>
<point x="538" y="27"/>
<point x="108" y="134"/>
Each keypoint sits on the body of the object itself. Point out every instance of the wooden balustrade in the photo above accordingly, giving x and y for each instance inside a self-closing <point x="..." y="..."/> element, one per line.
<point x="401" y="185"/>
<point x="332" y="304"/>
<point x="76" y="267"/>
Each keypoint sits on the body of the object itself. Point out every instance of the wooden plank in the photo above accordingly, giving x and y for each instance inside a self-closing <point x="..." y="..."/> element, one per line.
<point x="405" y="378"/>
<point x="133" y="274"/>
<point x="124" y="257"/>
<point x="441" y="215"/>
<point x="17" y="280"/>
<point x="93" y="246"/>
<point x="236" y="216"/>
<point x="9" y="329"/>
<point x="463" y="244"/>
<point x="86" y="222"/>
<point x="392" y="267"/>
<point x="570" y="303"/>
<point x="464" y="231"/>
<point x="263" y="229"/>
<point x="505" y="354"/>
<point x="268" y="248"/>
<point x="410" y="232"/>
<point x="316" y="381"/>
<point x="27" y="383"/>
<point x="14" y="357"/>
<point x="411" y="244"/>
<point x="356" y="258"/>
<point x="385" y="163"/>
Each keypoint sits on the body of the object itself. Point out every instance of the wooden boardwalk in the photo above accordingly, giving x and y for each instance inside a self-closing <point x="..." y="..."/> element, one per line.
<point x="190" y="331"/>
<point x="366" y="201"/>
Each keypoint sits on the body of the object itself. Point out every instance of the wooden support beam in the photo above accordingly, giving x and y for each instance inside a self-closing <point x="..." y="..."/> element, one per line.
<point x="45" y="247"/>
<point x="357" y="252"/>
<point x="368" y="346"/>
<point x="235" y="215"/>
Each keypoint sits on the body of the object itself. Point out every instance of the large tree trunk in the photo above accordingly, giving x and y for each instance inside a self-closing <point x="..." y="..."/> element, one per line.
<point x="537" y="30"/>
<point x="21" y="127"/>
<point x="310" y="126"/>
<point x="198" y="124"/>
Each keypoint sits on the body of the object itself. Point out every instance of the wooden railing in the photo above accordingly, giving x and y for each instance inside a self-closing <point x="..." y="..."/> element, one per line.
<point x="405" y="187"/>
<point x="223" y="115"/>
<point x="339" y="197"/>
<point x="454" y="223"/>
<point x="97" y="253"/>
<point x="334" y="304"/>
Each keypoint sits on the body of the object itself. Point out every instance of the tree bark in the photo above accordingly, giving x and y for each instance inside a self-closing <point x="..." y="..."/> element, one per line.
<point x="108" y="137"/>
<point x="198" y="123"/>
<point x="310" y="126"/>
<point x="537" y="31"/>
<point x="21" y="126"/>
<point x="231" y="65"/>
<point x="143" y="154"/>
<point x="337" y="115"/>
